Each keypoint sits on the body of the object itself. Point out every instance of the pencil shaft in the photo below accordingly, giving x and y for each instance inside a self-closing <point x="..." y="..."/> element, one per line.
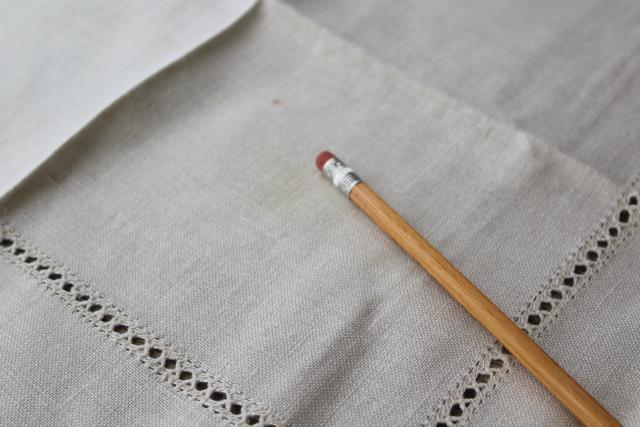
<point x="519" y="344"/>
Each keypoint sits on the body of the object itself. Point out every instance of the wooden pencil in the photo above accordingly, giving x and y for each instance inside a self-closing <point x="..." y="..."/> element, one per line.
<point x="558" y="382"/>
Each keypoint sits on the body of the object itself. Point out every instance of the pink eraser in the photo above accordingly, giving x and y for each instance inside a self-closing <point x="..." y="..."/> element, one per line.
<point x="323" y="158"/>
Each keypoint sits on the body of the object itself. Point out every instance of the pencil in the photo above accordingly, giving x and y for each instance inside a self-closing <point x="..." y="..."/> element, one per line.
<point x="558" y="382"/>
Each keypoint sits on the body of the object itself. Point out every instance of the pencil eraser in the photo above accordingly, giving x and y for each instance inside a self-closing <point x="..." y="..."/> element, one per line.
<point x="323" y="158"/>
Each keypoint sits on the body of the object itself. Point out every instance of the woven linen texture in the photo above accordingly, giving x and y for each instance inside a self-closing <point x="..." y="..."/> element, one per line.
<point x="193" y="204"/>
<point x="63" y="64"/>
<point x="566" y="72"/>
<point x="167" y="363"/>
<point x="489" y="371"/>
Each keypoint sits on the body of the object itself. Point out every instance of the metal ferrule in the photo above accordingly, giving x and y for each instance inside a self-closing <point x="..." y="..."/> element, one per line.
<point x="342" y="176"/>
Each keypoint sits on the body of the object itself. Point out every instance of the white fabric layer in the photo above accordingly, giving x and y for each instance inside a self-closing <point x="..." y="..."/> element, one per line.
<point x="193" y="203"/>
<point x="64" y="62"/>
<point x="567" y="71"/>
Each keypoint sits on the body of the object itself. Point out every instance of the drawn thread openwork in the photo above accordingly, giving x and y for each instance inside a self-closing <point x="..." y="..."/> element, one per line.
<point x="170" y="365"/>
<point x="481" y="379"/>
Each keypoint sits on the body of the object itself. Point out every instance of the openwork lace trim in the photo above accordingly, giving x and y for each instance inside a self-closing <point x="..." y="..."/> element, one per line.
<point x="169" y="364"/>
<point x="481" y="379"/>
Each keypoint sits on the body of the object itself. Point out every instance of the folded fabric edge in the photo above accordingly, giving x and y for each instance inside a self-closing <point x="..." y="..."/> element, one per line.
<point x="460" y="103"/>
<point x="184" y="53"/>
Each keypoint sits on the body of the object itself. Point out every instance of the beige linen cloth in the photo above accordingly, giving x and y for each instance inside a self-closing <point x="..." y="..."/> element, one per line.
<point x="177" y="259"/>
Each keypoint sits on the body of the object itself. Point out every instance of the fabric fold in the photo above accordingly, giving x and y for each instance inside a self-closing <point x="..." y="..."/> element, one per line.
<point x="61" y="69"/>
<point x="568" y="73"/>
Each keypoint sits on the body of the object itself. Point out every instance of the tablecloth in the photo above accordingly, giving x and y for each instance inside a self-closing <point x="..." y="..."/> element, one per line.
<point x="170" y="255"/>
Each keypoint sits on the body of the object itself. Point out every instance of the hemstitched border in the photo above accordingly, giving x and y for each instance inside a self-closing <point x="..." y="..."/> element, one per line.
<point x="481" y="379"/>
<point x="169" y="365"/>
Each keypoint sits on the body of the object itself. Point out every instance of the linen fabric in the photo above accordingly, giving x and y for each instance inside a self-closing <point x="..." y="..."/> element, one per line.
<point x="568" y="72"/>
<point x="64" y="62"/>
<point x="596" y="338"/>
<point x="193" y="204"/>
